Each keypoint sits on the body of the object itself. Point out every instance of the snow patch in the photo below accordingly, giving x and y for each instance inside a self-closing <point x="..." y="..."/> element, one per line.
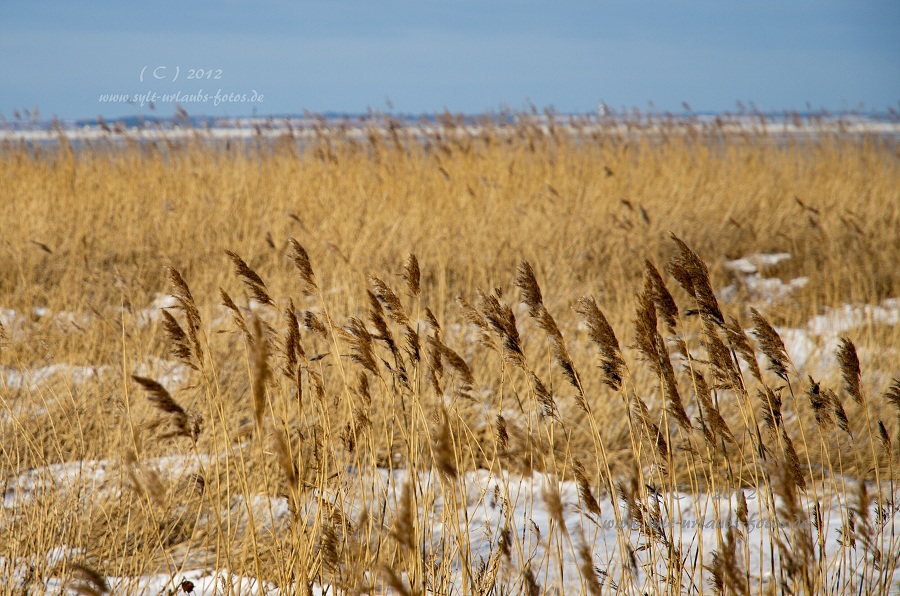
<point x="756" y="262"/>
<point x="748" y="273"/>
<point x="153" y="313"/>
<point x="168" y="373"/>
<point x="484" y="505"/>
<point x="34" y="378"/>
<point x="816" y="342"/>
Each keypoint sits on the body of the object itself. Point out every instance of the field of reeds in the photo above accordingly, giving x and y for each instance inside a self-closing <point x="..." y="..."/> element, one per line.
<point x="513" y="358"/>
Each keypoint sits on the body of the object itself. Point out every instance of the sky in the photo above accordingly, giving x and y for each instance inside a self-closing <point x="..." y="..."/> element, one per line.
<point x="236" y="58"/>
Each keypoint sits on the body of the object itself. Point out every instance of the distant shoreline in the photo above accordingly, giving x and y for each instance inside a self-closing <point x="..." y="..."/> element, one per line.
<point x="360" y="126"/>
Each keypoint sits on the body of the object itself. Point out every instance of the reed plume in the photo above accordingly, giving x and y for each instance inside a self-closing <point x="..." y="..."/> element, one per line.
<point x="499" y="318"/>
<point x="602" y="335"/>
<point x="304" y="267"/>
<point x="163" y="401"/>
<point x="710" y="413"/>
<point x="251" y="279"/>
<point x="390" y="301"/>
<point x="260" y="364"/>
<point x="691" y="273"/>
<point x="652" y="347"/>
<point x="659" y="293"/>
<point x="849" y="363"/>
<point x="412" y="275"/>
<point x="531" y="296"/>
<point x="740" y="343"/>
<point x="584" y="488"/>
<point x="440" y="352"/>
<point x="771" y="344"/>
<point x="236" y="315"/>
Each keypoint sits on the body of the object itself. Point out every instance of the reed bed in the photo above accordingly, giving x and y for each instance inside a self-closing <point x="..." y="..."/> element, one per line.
<point x="452" y="362"/>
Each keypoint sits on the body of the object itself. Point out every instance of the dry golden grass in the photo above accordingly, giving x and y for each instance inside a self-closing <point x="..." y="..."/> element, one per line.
<point x="549" y="323"/>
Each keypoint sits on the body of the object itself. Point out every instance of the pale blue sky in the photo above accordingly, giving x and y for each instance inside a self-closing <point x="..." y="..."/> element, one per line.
<point x="466" y="56"/>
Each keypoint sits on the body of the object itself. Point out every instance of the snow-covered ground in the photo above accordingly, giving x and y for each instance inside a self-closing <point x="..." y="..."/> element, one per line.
<point x="810" y="347"/>
<point x="307" y="129"/>
<point x="485" y="505"/>
<point x="750" y="275"/>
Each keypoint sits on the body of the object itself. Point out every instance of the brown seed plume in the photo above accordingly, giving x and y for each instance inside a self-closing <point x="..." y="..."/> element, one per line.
<point x="771" y="345"/>
<point x="531" y="292"/>
<point x="304" y="268"/>
<point x="584" y="488"/>
<point x="885" y="439"/>
<point x="360" y="340"/>
<point x="821" y="404"/>
<point x="739" y="341"/>
<point x="505" y="543"/>
<point x="675" y="406"/>
<point x="797" y="554"/>
<point x="553" y="502"/>
<point x="692" y="275"/>
<point x="181" y="345"/>
<point x="92" y="582"/>
<point x="792" y="460"/>
<point x="742" y="511"/>
<point x="260" y="369"/>
<point x="531" y="296"/>
<point x="396" y="583"/>
<point x="329" y="547"/>
<point x="163" y="401"/>
<point x="362" y="387"/>
<point x="645" y="332"/>
<point x="293" y="350"/>
<point x="390" y="301"/>
<point x="412" y="275"/>
<point x="183" y="296"/>
<point x="892" y="395"/>
<point x="286" y="461"/>
<point x="838" y="410"/>
<point x="442" y="444"/>
<point x="186" y="304"/>
<point x="724" y="368"/>
<point x="376" y="316"/>
<point x="455" y="361"/>
<point x="710" y="413"/>
<point x="476" y="319"/>
<point x="771" y="411"/>
<point x="145" y="481"/>
<point x="236" y="315"/>
<point x="656" y="287"/>
<point x="318" y="384"/>
<point x="433" y="322"/>
<point x="434" y="364"/>
<point x="383" y="333"/>
<point x="502" y="435"/>
<point x="543" y="397"/>
<point x="629" y="493"/>
<point x="652" y="347"/>
<point x="588" y="571"/>
<point x="716" y="570"/>
<point x="251" y="279"/>
<point x="532" y="587"/>
<point x="726" y="574"/>
<point x="602" y="335"/>
<point x="849" y="362"/>
<point x="501" y="320"/>
<point x="641" y="412"/>
<point x="312" y="323"/>
<point x="861" y="510"/>
<point x="413" y="343"/>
